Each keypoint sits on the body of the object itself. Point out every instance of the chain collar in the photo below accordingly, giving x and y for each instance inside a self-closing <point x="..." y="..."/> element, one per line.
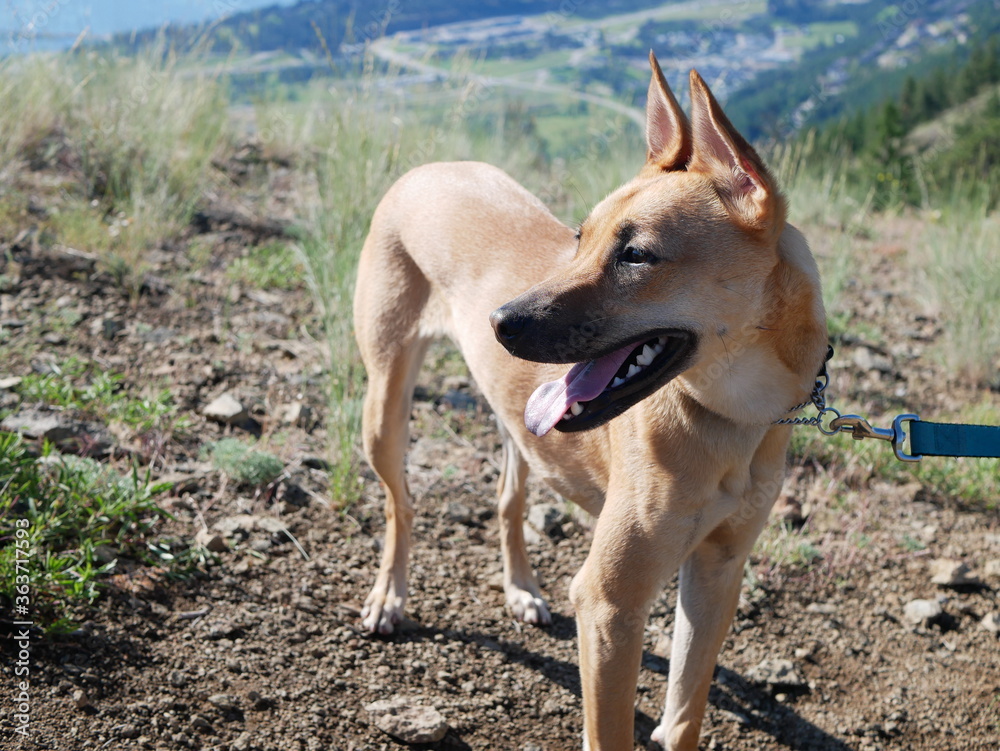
<point x="817" y="398"/>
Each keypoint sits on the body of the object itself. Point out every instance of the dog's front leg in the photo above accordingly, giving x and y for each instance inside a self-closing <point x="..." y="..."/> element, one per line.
<point x="637" y="546"/>
<point x="709" y="587"/>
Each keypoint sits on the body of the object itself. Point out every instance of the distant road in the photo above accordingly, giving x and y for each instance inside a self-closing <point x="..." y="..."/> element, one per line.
<point x="382" y="48"/>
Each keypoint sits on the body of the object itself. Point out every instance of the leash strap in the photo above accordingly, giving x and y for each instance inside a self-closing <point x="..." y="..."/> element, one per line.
<point x="946" y="439"/>
<point x="925" y="438"/>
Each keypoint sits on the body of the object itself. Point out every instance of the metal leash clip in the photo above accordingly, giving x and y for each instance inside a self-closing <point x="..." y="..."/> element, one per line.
<point x="861" y="429"/>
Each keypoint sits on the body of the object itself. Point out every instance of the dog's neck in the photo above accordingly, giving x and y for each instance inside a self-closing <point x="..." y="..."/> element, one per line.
<point x="759" y="373"/>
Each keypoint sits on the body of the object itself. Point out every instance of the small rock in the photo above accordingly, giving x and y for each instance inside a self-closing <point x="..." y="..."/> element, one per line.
<point x="225" y="702"/>
<point x="459" y="400"/>
<point x="316" y="462"/>
<point x="951" y="573"/>
<point x="922" y="612"/>
<point x="991" y="570"/>
<point x="269" y="524"/>
<point x="776" y="672"/>
<point x="822" y="608"/>
<point x="201" y="724"/>
<point x="788" y="509"/>
<point x="129" y="731"/>
<point x="110" y="328"/>
<point x="531" y="537"/>
<point x="243" y="742"/>
<point x="12" y="382"/>
<point x="159" y="335"/>
<point x="105" y="553"/>
<point x="495" y="582"/>
<point x="991" y="622"/>
<point x="260" y="703"/>
<point x="177" y="679"/>
<point x="406" y="720"/>
<point x="81" y="700"/>
<point x="456" y="382"/>
<point x="866" y="359"/>
<point x="663" y="646"/>
<point x="70" y="436"/>
<point x="211" y="541"/>
<point x="230" y="525"/>
<point x="928" y="533"/>
<point x="297" y="414"/>
<point x="546" y="518"/>
<point x="225" y="409"/>
<point x="459" y="513"/>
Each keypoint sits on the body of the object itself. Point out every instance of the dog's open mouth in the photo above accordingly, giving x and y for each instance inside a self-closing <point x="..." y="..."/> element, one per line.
<point x="593" y="392"/>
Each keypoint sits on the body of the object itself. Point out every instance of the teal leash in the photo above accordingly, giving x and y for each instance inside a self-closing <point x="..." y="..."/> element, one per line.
<point x="925" y="438"/>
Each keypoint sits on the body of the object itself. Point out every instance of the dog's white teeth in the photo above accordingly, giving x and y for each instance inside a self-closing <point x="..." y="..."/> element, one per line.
<point x="567" y="416"/>
<point x="576" y="408"/>
<point x="647" y="356"/>
<point x="617" y="382"/>
<point x="632" y="370"/>
<point x="658" y="347"/>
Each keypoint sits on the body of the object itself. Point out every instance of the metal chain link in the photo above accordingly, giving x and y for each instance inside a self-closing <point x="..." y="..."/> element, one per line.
<point x="817" y="398"/>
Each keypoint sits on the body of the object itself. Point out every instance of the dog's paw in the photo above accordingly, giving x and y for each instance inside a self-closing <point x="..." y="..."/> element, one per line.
<point x="382" y="613"/>
<point x="528" y="607"/>
<point x="658" y="739"/>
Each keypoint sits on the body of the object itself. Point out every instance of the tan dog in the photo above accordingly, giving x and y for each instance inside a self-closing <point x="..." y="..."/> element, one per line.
<point x="694" y="315"/>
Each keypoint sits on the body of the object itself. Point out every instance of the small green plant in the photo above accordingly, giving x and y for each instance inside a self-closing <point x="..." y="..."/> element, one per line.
<point x="65" y="522"/>
<point x="269" y="266"/>
<point x="70" y="385"/>
<point x="243" y="464"/>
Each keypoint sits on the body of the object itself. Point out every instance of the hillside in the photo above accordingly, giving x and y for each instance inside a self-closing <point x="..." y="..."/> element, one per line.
<point x="780" y="64"/>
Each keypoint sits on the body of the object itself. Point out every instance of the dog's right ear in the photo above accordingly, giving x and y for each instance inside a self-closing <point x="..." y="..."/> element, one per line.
<point x="668" y="134"/>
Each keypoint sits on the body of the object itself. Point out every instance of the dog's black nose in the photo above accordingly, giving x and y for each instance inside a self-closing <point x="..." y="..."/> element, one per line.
<point x="508" y="325"/>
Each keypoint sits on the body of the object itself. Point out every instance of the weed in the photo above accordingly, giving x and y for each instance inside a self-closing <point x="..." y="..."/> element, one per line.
<point x="958" y="259"/>
<point x="78" y="518"/>
<point x="243" y="464"/>
<point x="269" y="266"/>
<point x="143" y="131"/>
<point x="102" y="395"/>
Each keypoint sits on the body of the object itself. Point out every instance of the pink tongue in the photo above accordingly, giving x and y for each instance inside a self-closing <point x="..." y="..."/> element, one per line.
<point x="582" y="383"/>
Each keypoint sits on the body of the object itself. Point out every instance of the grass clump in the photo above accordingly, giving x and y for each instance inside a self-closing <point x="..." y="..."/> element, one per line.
<point x="958" y="259"/>
<point x="142" y="130"/>
<point x="72" y="385"/>
<point x="243" y="464"/>
<point x="73" y="520"/>
<point x="269" y="266"/>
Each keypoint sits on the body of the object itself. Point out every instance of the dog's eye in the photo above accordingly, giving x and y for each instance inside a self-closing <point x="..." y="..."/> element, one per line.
<point x="635" y="256"/>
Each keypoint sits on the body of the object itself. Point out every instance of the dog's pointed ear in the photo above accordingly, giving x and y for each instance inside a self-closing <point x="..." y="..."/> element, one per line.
<point x="742" y="180"/>
<point x="668" y="134"/>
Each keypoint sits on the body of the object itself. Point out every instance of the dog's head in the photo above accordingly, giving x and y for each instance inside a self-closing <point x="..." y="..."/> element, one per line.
<point x="674" y="270"/>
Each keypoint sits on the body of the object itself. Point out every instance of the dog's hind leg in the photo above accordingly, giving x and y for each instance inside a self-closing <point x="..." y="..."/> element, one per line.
<point x="519" y="583"/>
<point x="390" y="301"/>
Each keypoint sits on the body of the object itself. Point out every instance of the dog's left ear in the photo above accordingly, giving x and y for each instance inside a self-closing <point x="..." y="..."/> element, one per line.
<point x="740" y="177"/>
<point x="668" y="134"/>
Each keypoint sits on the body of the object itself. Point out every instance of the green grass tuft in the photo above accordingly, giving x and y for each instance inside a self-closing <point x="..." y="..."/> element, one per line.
<point x="243" y="464"/>
<point x="66" y="522"/>
<point x="72" y="384"/>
